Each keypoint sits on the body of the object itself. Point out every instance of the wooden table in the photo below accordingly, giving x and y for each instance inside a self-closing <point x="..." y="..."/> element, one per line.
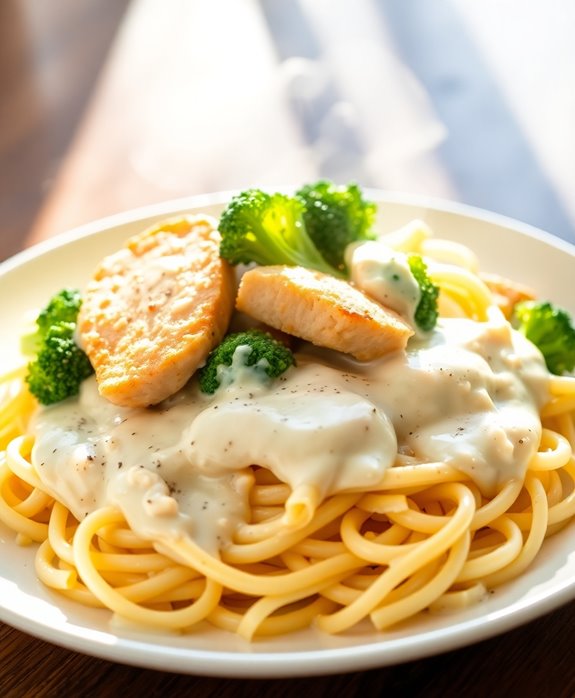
<point x="473" y="102"/>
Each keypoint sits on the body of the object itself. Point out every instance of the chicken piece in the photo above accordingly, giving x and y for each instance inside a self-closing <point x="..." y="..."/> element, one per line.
<point x="321" y="309"/>
<point x="155" y="309"/>
<point x="506" y="293"/>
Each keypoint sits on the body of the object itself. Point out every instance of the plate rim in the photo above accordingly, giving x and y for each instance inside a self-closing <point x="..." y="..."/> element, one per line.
<point x="132" y="215"/>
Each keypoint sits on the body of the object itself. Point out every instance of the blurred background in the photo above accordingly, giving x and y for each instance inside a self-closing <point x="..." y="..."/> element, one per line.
<point x="107" y="105"/>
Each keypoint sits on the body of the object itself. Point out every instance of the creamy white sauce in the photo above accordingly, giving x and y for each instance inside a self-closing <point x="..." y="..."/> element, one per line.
<point x="384" y="274"/>
<point x="468" y="395"/>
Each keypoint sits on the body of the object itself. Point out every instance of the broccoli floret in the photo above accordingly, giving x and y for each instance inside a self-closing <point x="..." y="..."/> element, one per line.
<point x="336" y="216"/>
<point x="268" y="229"/>
<point x="59" y="365"/>
<point x="551" y="330"/>
<point x="62" y="307"/>
<point x="266" y="355"/>
<point x="426" y="311"/>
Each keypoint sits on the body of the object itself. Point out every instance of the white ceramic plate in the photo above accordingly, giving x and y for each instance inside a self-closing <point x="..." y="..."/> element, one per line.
<point x="503" y="246"/>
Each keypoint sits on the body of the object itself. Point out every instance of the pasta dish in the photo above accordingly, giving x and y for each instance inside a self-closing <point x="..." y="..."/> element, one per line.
<point x="388" y="471"/>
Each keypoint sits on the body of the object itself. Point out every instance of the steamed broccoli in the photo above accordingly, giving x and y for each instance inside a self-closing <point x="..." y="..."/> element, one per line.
<point x="59" y="365"/>
<point x="335" y="217"/>
<point x="268" y="229"/>
<point x="551" y="330"/>
<point x="259" y="351"/>
<point x="62" y="307"/>
<point x="426" y="311"/>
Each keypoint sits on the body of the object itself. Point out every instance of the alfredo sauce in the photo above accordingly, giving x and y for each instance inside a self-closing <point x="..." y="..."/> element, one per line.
<point x="467" y="395"/>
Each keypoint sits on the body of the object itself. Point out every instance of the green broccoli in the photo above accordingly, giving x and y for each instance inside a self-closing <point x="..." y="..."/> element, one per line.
<point x="551" y="330"/>
<point x="268" y="229"/>
<point x="426" y="311"/>
<point x="336" y="216"/>
<point x="62" y="307"/>
<point x="265" y="356"/>
<point x="59" y="365"/>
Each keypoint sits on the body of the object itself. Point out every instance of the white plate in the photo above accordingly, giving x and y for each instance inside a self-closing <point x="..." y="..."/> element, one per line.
<point x="503" y="246"/>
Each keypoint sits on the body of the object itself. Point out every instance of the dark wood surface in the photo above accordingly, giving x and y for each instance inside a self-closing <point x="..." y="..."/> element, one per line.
<point x="101" y="111"/>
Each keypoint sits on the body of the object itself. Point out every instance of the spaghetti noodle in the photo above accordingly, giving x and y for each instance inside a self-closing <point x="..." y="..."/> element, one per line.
<point x="421" y="534"/>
